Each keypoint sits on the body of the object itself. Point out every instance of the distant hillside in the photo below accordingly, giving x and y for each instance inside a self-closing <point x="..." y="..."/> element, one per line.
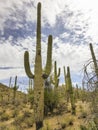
<point x="21" y="81"/>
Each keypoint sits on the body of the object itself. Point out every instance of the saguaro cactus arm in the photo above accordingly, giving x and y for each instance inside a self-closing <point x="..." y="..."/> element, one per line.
<point x="55" y="70"/>
<point x="55" y="79"/>
<point x="27" y="65"/>
<point x="49" y="58"/>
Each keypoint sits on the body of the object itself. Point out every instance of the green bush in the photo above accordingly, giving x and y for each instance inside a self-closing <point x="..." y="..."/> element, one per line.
<point x="51" y="100"/>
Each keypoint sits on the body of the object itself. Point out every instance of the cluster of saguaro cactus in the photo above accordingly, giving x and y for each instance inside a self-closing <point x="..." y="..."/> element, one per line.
<point x="69" y="89"/>
<point x="56" y="75"/>
<point x="15" y="88"/>
<point x="39" y="75"/>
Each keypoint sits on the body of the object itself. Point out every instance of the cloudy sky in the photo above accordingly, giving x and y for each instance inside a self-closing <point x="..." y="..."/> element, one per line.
<point x="73" y="24"/>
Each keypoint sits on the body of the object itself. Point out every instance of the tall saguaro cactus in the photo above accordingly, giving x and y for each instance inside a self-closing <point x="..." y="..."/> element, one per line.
<point x="69" y="85"/>
<point x="66" y="89"/>
<point x="39" y="76"/>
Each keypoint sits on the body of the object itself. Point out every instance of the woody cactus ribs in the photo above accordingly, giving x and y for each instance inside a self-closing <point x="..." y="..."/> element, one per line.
<point x="39" y="75"/>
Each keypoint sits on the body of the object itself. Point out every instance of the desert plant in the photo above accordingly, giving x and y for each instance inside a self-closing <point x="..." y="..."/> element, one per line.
<point x="90" y="80"/>
<point x="39" y="76"/>
<point x="56" y="75"/>
<point x="10" y="82"/>
<point x="15" y="88"/>
<point x="51" y="100"/>
<point x="94" y="60"/>
<point x="66" y="86"/>
<point x="30" y="91"/>
<point x="70" y="91"/>
<point x="77" y="92"/>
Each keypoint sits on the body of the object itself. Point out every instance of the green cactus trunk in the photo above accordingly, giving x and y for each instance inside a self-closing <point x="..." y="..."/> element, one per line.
<point x="39" y="76"/>
<point x="94" y="60"/>
<point x="38" y="81"/>
<point x="66" y="89"/>
<point x="69" y="85"/>
<point x="10" y="82"/>
<point x="14" y="90"/>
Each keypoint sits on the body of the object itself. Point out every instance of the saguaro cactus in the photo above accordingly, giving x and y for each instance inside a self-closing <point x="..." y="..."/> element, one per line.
<point x="66" y="87"/>
<point x="40" y="75"/>
<point x="30" y="84"/>
<point x="15" y="89"/>
<point x="55" y="79"/>
<point x="10" y="82"/>
<point x="94" y="60"/>
<point x="69" y="85"/>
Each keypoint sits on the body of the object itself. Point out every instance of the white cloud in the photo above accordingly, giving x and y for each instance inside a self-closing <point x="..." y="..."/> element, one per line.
<point x="72" y="55"/>
<point x="76" y="15"/>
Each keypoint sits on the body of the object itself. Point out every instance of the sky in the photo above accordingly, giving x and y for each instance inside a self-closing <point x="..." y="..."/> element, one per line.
<point x="72" y="23"/>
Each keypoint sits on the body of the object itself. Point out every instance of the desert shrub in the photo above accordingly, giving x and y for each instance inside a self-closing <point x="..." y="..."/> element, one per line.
<point x="51" y="100"/>
<point x="67" y="121"/>
<point x="83" y="127"/>
<point x="63" y="125"/>
<point x="31" y="95"/>
<point x="18" y="120"/>
<point x="27" y="114"/>
<point x="4" y="117"/>
<point x="92" y="126"/>
<point x="83" y="115"/>
<point x="3" y="127"/>
<point x="25" y="120"/>
<point x="29" y="122"/>
<point x="15" y="113"/>
<point x="47" y="126"/>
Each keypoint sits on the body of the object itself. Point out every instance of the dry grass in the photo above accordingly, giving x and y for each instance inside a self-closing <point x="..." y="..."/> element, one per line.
<point x="20" y="115"/>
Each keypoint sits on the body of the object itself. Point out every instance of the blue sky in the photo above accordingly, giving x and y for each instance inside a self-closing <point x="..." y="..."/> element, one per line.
<point x="73" y="24"/>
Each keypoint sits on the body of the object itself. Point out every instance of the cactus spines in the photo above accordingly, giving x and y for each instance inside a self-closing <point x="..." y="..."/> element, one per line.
<point x="39" y="76"/>
<point x="69" y="85"/>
